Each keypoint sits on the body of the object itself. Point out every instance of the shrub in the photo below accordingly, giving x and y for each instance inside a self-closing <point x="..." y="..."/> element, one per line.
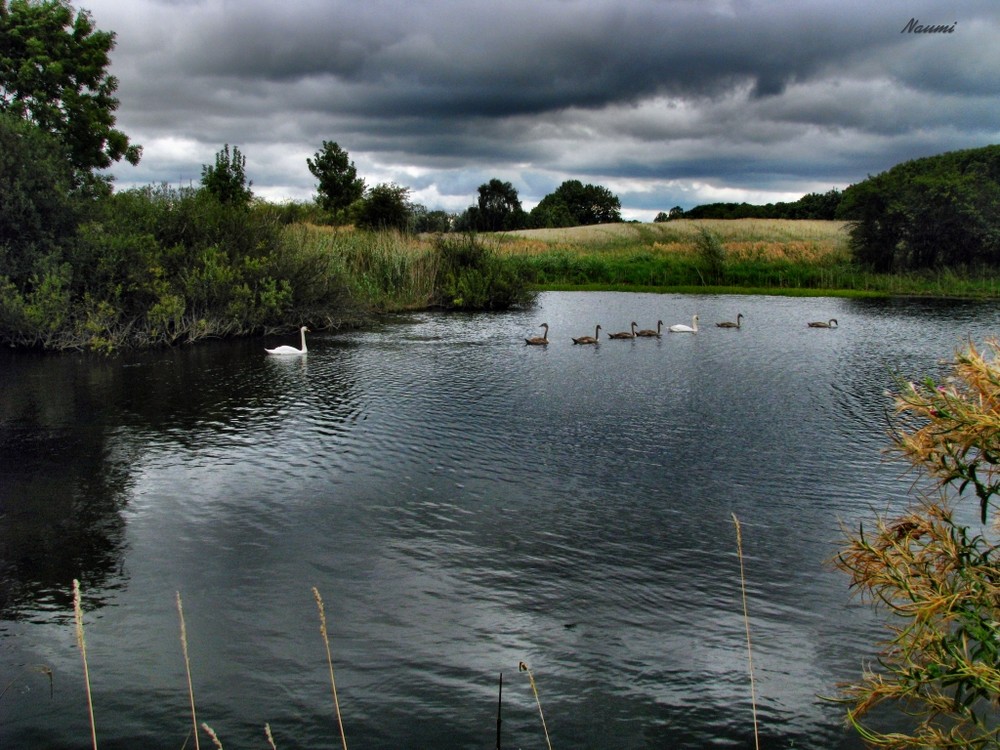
<point x="937" y="579"/>
<point x="471" y="276"/>
<point x="711" y="253"/>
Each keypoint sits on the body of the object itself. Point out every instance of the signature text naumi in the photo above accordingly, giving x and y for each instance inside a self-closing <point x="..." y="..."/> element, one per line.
<point x="915" y="27"/>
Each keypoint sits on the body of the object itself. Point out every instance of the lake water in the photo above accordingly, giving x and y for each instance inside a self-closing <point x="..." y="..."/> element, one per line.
<point x="463" y="503"/>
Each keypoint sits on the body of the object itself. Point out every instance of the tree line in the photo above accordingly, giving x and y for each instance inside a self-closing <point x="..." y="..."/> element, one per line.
<point x="931" y="213"/>
<point x="344" y="199"/>
<point x="820" y="206"/>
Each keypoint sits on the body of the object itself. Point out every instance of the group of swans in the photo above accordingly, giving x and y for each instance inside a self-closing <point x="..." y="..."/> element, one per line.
<point x="632" y="333"/>
<point x="648" y="332"/>
<point x="543" y="340"/>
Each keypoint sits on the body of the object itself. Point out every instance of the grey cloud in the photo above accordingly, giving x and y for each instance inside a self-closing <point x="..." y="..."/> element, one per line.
<point x="753" y="95"/>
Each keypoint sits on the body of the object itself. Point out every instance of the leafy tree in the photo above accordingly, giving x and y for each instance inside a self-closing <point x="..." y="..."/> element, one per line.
<point x="550" y="214"/>
<point x="586" y="204"/>
<point x="938" y="580"/>
<point x="339" y="184"/>
<point x="675" y="213"/>
<point x="423" y="220"/>
<point x="385" y="206"/>
<point x="928" y="213"/>
<point x="37" y="212"/>
<point x="53" y="73"/>
<point x="499" y="208"/>
<point x="227" y="180"/>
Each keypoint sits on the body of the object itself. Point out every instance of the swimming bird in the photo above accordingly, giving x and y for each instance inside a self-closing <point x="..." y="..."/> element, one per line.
<point x="693" y="328"/>
<point x="731" y="324"/>
<point x="650" y="331"/>
<point x="542" y="340"/>
<point x="832" y="323"/>
<point x="625" y="334"/>
<point x="589" y="339"/>
<point x="291" y="349"/>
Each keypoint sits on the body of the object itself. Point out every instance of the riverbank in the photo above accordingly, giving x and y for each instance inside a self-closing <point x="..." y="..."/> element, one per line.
<point x="159" y="283"/>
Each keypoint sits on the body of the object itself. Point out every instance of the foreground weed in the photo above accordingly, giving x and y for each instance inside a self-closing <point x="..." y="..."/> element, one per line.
<point x="82" y="644"/>
<point x="329" y="662"/>
<point x="187" y="667"/>
<point x="211" y="733"/>
<point x="522" y="667"/>
<point x="937" y="580"/>
<point x="746" y="620"/>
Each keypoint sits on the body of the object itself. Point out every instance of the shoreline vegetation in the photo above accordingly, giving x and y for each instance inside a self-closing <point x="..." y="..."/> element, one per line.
<point x="162" y="269"/>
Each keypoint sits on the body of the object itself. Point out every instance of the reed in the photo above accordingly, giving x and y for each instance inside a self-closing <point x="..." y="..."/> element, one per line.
<point x="211" y="733"/>
<point x="187" y="668"/>
<point x="270" y="737"/>
<point x="329" y="662"/>
<point x="81" y="642"/>
<point x="522" y="667"/>
<point x="746" y="621"/>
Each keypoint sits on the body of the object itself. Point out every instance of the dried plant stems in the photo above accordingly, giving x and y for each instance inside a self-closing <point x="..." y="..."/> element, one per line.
<point x="211" y="733"/>
<point x="522" y="667"/>
<point x="82" y="643"/>
<point x="329" y="662"/>
<point x="746" y="622"/>
<point x="270" y="737"/>
<point x="187" y="667"/>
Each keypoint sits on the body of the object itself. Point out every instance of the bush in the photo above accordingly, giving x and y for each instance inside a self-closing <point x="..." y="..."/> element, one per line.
<point x="942" y="211"/>
<point x="712" y="254"/>
<point x="939" y="581"/>
<point x="471" y="276"/>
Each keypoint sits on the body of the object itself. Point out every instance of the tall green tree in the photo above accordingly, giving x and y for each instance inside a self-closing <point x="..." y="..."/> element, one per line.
<point x="54" y="74"/>
<point x="499" y="207"/>
<point x="227" y="179"/>
<point x="38" y="212"/>
<point x="339" y="184"/>
<point x="385" y="206"/>
<point x="935" y="212"/>
<point x="585" y="204"/>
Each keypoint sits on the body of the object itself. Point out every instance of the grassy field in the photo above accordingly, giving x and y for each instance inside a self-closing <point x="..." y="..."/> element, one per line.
<point x="773" y="256"/>
<point x="829" y="234"/>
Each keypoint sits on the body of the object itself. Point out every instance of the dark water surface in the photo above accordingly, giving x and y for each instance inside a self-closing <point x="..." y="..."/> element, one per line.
<point x="463" y="503"/>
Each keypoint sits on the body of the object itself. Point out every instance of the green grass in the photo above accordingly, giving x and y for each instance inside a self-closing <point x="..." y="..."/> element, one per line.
<point x="746" y="256"/>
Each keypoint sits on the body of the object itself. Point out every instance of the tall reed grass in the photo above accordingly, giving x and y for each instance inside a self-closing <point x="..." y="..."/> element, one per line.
<point x="217" y="742"/>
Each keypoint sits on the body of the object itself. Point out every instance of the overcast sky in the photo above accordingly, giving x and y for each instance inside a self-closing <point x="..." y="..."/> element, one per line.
<point x="664" y="102"/>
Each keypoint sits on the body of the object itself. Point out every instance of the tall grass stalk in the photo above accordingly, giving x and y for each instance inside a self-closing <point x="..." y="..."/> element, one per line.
<point x="187" y="667"/>
<point x="522" y="667"/>
<point x="270" y="737"/>
<point x="329" y="662"/>
<point x="211" y="733"/>
<point x="746" y="621"/>
<point x="82" y="644"/>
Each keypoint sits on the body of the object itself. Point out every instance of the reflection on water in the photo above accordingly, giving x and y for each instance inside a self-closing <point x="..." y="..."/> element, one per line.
<point x="463" y="502"/>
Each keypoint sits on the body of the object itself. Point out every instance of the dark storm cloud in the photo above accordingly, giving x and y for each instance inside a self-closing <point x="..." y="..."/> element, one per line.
<point x="746" y="95"/>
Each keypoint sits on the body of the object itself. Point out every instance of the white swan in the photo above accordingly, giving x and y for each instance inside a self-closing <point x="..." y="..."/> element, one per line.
<point x="291" y="349"/>
<point x="693" y="328"/>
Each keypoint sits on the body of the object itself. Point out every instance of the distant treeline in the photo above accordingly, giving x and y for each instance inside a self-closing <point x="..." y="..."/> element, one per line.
<point x="821" y="206"/>
<point x="937" y="212"/>
<point x="925" y="214"/>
